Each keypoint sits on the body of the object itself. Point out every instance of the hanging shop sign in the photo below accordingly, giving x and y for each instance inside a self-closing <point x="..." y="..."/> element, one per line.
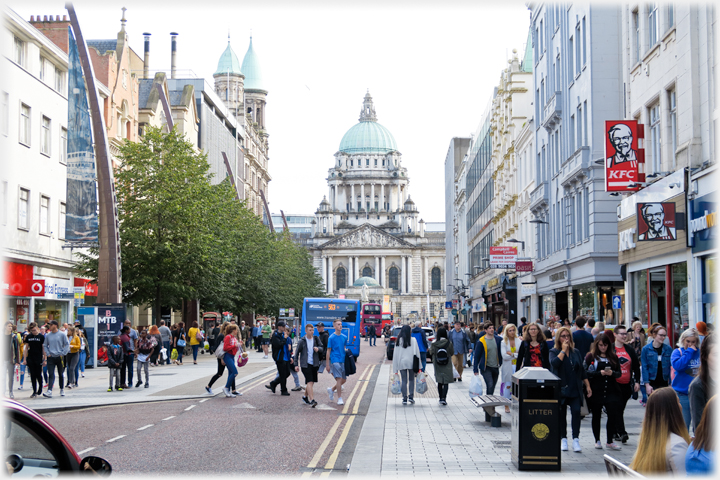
<point x="524" y="266"/>
<point x="703" y="218"/>
<point x="503" y="257"/>
<point x="527" y="289"/>
<point x="624" y="159"/>
<point x="656" y="221"/>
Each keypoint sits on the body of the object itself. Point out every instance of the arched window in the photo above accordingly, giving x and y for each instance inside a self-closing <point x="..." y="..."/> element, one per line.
<point x="393" y="273"/>
<point x="435" y="276"/>
<point x="341" y="276"/>
<point x="367" y="272"/>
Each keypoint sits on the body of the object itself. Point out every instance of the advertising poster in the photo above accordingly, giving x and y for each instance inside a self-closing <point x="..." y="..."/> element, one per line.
<point x="503" y="257"/>
<point x="386" y="304"/>
<point x="110" y="319"/>
<point x="624" y="160"/>
<point x="656" y="221"/>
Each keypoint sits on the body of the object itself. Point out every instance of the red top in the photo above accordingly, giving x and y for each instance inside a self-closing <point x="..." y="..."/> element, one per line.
<point x="230" y="345"/>
<point x="625" y="365"/>
<point x="535" y="356"/>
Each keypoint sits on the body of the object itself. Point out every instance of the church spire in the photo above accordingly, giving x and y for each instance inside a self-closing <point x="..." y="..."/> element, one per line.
<point x="367" y="114"/>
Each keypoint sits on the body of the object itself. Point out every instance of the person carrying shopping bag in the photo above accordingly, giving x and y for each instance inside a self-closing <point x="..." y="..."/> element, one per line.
<point x="406" y="350"/>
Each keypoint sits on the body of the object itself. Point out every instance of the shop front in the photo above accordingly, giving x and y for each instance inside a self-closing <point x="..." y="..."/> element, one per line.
<point x="501" y="299"/>
<point x="703" y="240"/>
<point x="653" y="247"/>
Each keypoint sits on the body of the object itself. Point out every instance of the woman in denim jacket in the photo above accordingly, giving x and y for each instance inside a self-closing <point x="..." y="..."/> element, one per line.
<point x="654" y="353"/>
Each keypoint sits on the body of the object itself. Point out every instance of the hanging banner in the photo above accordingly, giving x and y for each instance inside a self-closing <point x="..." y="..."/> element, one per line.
<point x="624" y="159"/>
<point x="386" y="304"/>
<point x="81" y="223"/>
<point x="503" y="257"/>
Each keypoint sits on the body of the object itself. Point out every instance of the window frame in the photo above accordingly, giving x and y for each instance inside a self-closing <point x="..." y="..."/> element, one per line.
<point x="653" y="25"/>
<point x="62" y="220"/>
<point x="45" y="135"/>
<point x="44" y="215"/>
<point x="63" y="145"/>
<point x="5" y="114"/>
<point x="26" y="202"/>
<point x="19" y="51"/>
<point x="25" y="125"/>
<point x="655" y="124"/>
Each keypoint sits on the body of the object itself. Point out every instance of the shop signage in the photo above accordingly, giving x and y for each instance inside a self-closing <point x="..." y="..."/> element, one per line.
<point x="702" y="223"/>
<point x="626" y="240"/>
<point x="479" y="306"/>
<point x="624" y="160"/>
<point x="18" y="281"/>
<point x="556" y="277"/>
<point x="527" y="289"/>
<point x="503" y="257"/>
<point x="524" y="266"/>
<point x="291" y="312"/>
<point x="656" y="221"/>
<point x="386" y="304"/>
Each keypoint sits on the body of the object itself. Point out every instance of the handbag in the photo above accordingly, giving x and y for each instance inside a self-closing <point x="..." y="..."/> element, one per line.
<point x="181" y="342"/>
<point x="584" y="410"/>
<point x="416" y="364"/>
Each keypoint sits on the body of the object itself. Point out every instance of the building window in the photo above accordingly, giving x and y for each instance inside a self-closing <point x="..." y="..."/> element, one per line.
<point x="61" y="224"/>
<point x="44" y="215"/>
<point x="652" y="24"/>
<point x="435" y="279"/>
<point x="542" y="45"/>
<point x="579" y="126"/>
<point x="45" y="139"/>
<point x="585" y="123"/>
<point x="376" y="162"/>
<point x="636" y="29"/>
<point x="586" y="208"/>
<point x="673" y="125"/>
<point x="341" y="278"/>
<point x="60" y="81"/>
<point x="351" y="163"/>
<point x="5" y="118"/>
<point x="367" y="162"/>
<point x="655" y="137"/>
<point x="579" y="216"/>
<point x="44" y="69"/>
<point x="19" y="52"/>
<point x="25" y="125"/>
<point x="670" y="16"/>
<point x="571" y="68"/>
<point x="542" y="93"/>
<point x="572" y="133"/>
<point x="63" y="145"/>
<point x="578" y="50"/>
<point x="393" y="278"/>
<point x="584" y="39"/>
<point x="23" y="208"/>
<point x="367" y="272"/>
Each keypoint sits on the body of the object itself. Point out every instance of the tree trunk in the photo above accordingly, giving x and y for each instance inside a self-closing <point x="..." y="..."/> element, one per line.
<point x="157" y="308"/>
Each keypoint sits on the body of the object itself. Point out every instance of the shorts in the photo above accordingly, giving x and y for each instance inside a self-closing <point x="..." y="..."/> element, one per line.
<point x="322" y="366"/>
<point x="310" y="373"/>
<point x="265" y="341"/>
<point x="338" y="370"/>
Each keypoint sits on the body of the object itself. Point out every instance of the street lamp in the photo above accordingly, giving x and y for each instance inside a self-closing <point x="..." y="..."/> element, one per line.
<point x="538" y="221"/>
<point x="512" y="240"/>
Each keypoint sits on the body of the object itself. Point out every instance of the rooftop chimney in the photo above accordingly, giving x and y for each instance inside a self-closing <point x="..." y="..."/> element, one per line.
<point x="146" y="59"/>
<point x="173" y="54"/>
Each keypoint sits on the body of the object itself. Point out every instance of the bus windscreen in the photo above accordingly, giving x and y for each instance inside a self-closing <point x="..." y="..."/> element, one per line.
<point x="328" y="312"/>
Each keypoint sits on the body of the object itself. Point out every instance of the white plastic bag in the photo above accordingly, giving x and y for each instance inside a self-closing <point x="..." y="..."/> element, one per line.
<point x="395" y="384"/>
<point x="163" y="354"/>
<point x="455" y="372"/>
<point x="476" y="388"/>
<point x="421" y="383"/>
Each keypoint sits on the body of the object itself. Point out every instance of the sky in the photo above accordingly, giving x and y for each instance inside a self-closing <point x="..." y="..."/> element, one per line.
<point x="429" y="66"/>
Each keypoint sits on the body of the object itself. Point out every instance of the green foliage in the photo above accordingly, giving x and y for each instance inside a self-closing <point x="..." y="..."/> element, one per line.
<point x="183" y="238"/>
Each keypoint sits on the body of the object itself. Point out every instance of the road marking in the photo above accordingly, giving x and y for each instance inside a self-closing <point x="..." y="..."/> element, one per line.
<point x="318" y="455"/>
<point x="146" y="426"/>
<point x="306" y="474"/>
<point x="168" y="418"/>
<point x="204" y="400"/>
<point x="190" y="407"/>
<point x="86" y="450"/>
<point x="341" y="441"/>
<point x="113" y="439"/>
<point x="362" y="392"/>
<point x="354" y="390"/>
<point x="257" y="382"/>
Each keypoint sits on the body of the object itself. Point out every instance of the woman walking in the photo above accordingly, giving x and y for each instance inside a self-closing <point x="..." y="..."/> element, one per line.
<point x="685" y="360"/>
<point x="702" y="388"/>
<point x="155" y="333"/>
<point x="700" y="456"/>
<point x="231" y="345"/>
<point x="664" y="437"/>
<point x="509" y="348"/>
<point x="443" y="371"/>
<point x="220" y="340"/>
<point x="72" y="357"/>
<point x="655" y="361"/>
<point x="179" y="341"/>
<point x="637" y="342"/>
<point x="566" y="363"/>
<point x="534" y="350"/>
<point x="195" y="340"/>
<point x="406" y="349"/>
<point x="603" y="370"/>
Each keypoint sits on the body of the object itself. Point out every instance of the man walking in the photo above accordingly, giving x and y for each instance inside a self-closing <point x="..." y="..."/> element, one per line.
<point x="488" y="358"/>
<point x="126" y="371"/>
<point x="324" y="337"/>
<point x="371" y="334"/>
<point x="256" y="336"/>
<point x="419" y="335"/>
<point x="629" y="380"/>
<point x="266" y="331"/>
<point x="461" y="345"/>
<point x="56" y="347"/>
<point x="165" y="335"/>
<point x="581" y="337"/>
<point x="335" y="363"/>
<point x="282" y="356"/>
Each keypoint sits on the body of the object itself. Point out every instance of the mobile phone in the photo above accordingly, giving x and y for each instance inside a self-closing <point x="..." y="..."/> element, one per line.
<point x="608" y="368"/>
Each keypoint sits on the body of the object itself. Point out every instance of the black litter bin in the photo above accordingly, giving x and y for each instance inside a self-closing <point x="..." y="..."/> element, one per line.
<point x="535" y="431"/>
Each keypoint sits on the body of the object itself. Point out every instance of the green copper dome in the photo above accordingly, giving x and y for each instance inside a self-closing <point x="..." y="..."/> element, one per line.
<point x="229" y="62"/>
<point x="251" y="69"/>
<point x="369" y="281"/>
<point x="368" y="136"/>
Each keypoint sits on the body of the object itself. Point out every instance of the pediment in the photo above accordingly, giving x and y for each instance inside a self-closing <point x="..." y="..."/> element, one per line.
<point x="367" y="236"/>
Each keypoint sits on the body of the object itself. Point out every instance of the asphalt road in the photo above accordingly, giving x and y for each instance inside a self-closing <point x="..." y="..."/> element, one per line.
<point x="259" y="433"/>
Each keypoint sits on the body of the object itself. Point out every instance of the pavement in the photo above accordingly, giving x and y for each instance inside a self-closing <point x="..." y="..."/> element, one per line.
<point x="168" y="382"/>
<point x="429" y="439"/>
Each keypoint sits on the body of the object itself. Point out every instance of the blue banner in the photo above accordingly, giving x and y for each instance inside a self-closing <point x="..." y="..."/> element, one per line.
<point x="81" y="223"/>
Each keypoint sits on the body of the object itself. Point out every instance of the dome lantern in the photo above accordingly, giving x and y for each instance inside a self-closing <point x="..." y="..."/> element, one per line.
<point x="368" y="136"/>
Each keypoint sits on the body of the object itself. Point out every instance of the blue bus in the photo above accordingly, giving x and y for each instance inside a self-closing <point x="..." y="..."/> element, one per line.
<point x="327" y="310"/>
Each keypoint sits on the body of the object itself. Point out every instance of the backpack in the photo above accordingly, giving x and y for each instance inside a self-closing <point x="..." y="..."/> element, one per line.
<point x="441" y="357"/>
<point x="220" y="350"/>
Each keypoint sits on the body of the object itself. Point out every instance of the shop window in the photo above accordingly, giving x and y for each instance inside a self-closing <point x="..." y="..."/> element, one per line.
<point x="709" y="289"/>
<point x="46" y="310"/>
<point x="436" y="281"/>
<point x="394" y="277"/>
<point x="367" y="272"/>
<point x="681" y="300"/>
<point x="639" y="307"/>
<point x="341" y="278"/>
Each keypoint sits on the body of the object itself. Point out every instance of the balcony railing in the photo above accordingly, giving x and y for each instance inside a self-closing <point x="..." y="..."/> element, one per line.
<point x="552" y="112"/>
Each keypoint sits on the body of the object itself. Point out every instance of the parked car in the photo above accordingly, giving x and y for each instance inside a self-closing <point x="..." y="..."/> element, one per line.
<point x="430" y="336"/>
<point x="391" y="344"/>
<point x="32" y="446"/>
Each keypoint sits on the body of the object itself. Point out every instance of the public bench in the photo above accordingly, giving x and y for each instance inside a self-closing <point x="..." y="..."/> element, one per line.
<point x="488" y="403"/>
<point x="618" y="469"/>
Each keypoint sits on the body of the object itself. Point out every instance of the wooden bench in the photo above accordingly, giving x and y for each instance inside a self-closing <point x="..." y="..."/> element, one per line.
<point x="617" y="469"/>
<point x="488" y="403"/>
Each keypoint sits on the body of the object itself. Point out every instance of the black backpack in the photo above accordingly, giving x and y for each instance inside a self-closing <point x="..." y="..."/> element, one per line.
<point x="441" y="357"/>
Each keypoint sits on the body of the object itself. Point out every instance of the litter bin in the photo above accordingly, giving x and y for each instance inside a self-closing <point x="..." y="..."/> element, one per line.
<point x="535" y="432"/>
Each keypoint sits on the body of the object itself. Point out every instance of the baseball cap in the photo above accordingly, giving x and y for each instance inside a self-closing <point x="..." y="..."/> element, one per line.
<point x="280" y="324"/>
<point x="320" y="324"/>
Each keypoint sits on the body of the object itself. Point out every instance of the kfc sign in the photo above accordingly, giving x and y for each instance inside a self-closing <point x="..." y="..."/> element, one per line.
<point x="656" y="221"/>
<point x="624" y="160"/>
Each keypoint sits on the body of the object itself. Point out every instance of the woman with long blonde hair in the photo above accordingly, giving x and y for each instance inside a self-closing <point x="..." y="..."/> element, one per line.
<point x="664" y="437"/>
<point x="73" y="357"/>
<point x="509" y="347"/>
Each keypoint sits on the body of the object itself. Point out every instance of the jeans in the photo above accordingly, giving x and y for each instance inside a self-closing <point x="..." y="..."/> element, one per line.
<point x="52" y="363"/>
<point x="22" y="374"/>
<point x="373" y="340"/>
<point x="221" y="370"/>
<point x="684" y="403"/>
<point x="443" y="390"/>
<point x="283" y="369"/>
<point x="36" y="378"/>
<point x="407" y="376"/>
<point x="126" y="370"/>
<point x="490" y="375"/>
<point x="232" y="369"/>
<point x="423" y="360"/>
<point x="575" y="404"/>
<point x="80" y="367"/>
<point x="140" y="366"/>
<point x="195" y="349"/>
<point x="180" y="351"/>
<point x="72" y="359"/>
<point x="166" y="345"/>
<point x="44" y="373"/>
<point x="9" y="372"/>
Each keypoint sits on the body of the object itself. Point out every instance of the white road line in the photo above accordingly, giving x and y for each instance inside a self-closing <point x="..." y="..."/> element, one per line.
<point x="204" y="400"/>
<point x="116" y="438"/>
<point x="190" y="407"/>
<point x="86" y="450"/>
<point x="168" y="418"/>
<point x="146" y="426"/>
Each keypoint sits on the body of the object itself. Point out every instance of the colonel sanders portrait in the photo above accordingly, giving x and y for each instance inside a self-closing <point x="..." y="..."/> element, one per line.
<point x="621" y="138"/>
<point x="654" y="216"/>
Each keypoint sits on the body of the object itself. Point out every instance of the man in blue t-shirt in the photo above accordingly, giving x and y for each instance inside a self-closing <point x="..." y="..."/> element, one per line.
<point x="335" y="363"/>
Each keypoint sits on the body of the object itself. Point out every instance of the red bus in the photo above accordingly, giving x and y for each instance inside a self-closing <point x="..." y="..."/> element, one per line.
<point x="371" y="315"/>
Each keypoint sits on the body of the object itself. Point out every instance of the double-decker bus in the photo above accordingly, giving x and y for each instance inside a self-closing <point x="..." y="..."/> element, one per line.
<point x="327" y="310"/>
<point x="371" y="315"/>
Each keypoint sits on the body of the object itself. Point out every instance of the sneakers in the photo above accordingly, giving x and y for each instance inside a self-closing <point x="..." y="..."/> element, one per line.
<point x="237" y="394"/>
<point x="296" y="389"/>
<point x="340" y="401"/>
<point x="69" y="386"/>
<point x="34" y="395"/>
<point x="443" y="402"/>
<point x="20" y="387"/>
<point x="331" y="394"/>
<point x="285" y="394"/>
<point x="306" y="401"/>
<point x="109" y="390"/>
<point x="119" y="389"/>
<point x="576" y="445"/>
<point x="138" y="384"/>
<point x="227" y="392"/>
<point x="404" y="402"/>
<point x="82" y="375"/>
<point x="612" y="446"/>
<point x="48" y="394"/>
<point x="624" y="438"/>
<point x="270" y="387"/>
<point x="412" y="402"/>
<point x="147" y="385"/>
<point x="598" y="445"/>
<point x="564" y="445"/>
<point x="208" y="390"/>
<point x="11" y="395"/>
<point x="62" y="392"/>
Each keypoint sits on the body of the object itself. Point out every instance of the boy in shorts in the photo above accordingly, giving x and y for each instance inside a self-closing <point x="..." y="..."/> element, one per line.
<point x="307" y="357"/>
<point x="335" y="361"/>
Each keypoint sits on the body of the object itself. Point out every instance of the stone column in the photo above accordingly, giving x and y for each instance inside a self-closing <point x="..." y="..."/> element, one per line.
<point x="382" y="197"/>
<point x="352" y="197"/>
<point x="377" y="269"/>
<point x="350" y="272"/>
<point x="382" y="271"/>
<point x="357" y="268"/>
<point x="401" y="282"/>
<point x="424" y="276"/>
<point x="372" y="195"/>
<point x="330" y="196"/>
<point x="409" y="275"/>
<point x="331" y="277"/>
<point x="324" y="271"/>
<point x="362" y="195"/>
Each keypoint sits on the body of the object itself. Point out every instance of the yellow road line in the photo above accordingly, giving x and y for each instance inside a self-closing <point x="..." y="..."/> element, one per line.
<point x="306" y="474"/>
<point x="341" y="441"/>
<point x="324" y="474"/>
<point x="362" y="392"/>
<point x="318" y="455"/>
<point x="354" y="390"/>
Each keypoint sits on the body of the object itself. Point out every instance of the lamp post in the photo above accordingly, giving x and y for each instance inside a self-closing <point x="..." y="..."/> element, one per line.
<point x="512" y="240"/>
